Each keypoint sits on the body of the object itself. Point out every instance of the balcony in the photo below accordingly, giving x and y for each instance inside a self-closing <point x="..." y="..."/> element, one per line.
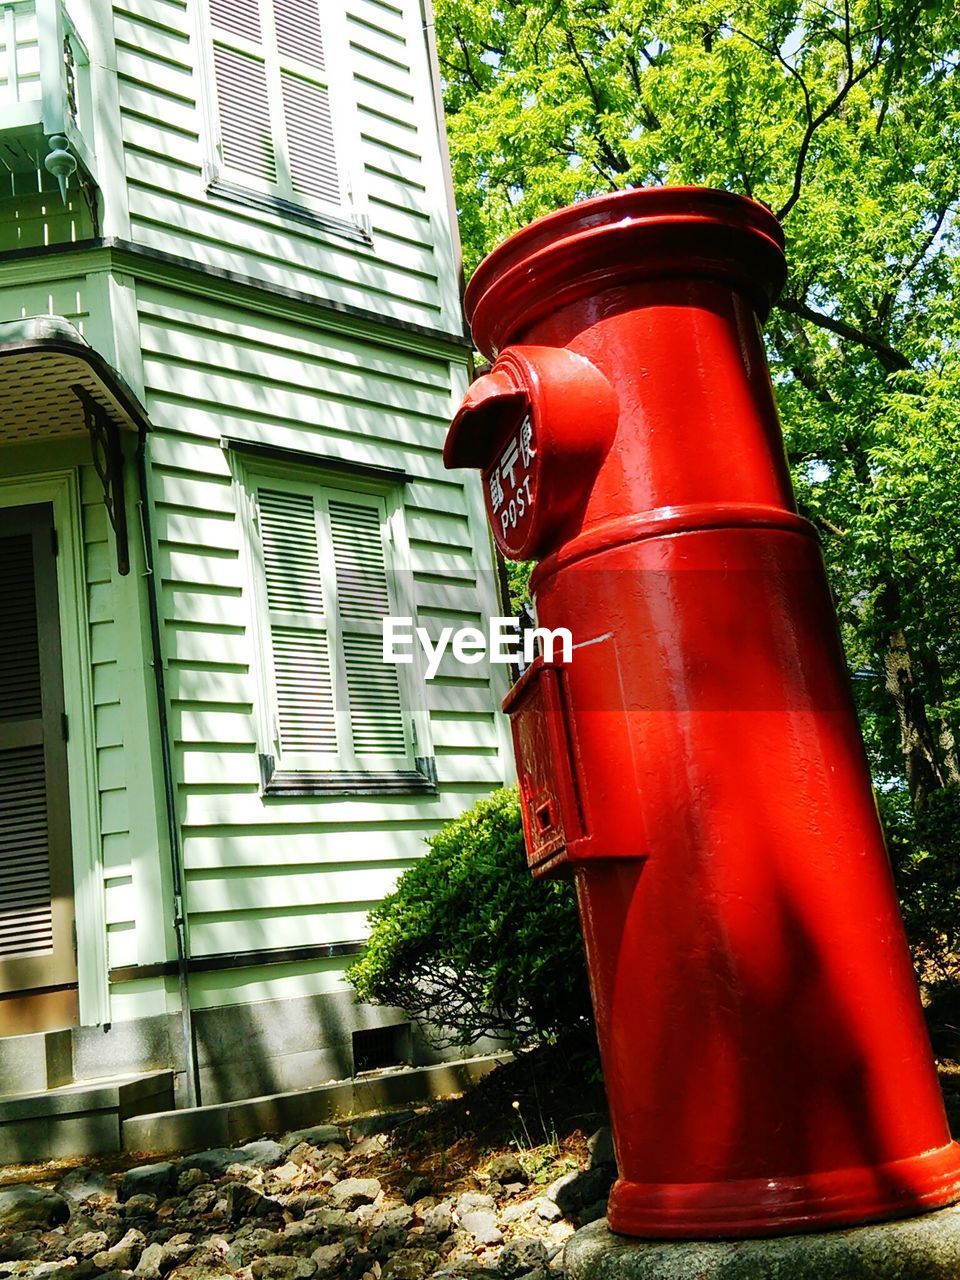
<point x="44" y="93"/>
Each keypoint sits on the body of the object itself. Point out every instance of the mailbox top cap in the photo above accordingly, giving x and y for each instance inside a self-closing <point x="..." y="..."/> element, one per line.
<point x="642" y="234"/>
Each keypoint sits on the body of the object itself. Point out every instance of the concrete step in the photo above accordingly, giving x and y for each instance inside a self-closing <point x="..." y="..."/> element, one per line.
<point x="226" y="1124"/>
<point x="38" y="1061"/>
<point x="83" y="1118"/>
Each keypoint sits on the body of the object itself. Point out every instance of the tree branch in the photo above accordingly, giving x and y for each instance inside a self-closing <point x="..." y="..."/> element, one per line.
<point x="808" y="377"/>
<point x="891" y="359"/>
<point x="617" y="163"/>
<point x="830" y="527"/>
<point x="888" y="299"/>
<point x="467" y="68"/>
<point x="814" y="122"/>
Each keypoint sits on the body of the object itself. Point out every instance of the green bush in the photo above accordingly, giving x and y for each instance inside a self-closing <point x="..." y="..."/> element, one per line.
<point x="471" y="945"/>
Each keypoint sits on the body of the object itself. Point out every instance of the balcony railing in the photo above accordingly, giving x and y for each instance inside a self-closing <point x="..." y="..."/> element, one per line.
<point x="44" y="85"/>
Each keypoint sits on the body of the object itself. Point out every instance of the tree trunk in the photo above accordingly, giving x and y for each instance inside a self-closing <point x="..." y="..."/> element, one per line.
<point x="946" y="737"/>
<point x="917" y="738"/>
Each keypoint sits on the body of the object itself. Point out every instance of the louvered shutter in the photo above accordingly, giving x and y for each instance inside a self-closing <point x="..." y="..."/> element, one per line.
<point x="239" y="17"/>
<point x="298" y="621"/>
<point x="246" y="132"/>
<point x="306" y="101"/>
<point x="299" y="34"/>
<point x="243" y="93"/>
<point x="310" y="146"/>
<point x="35" y="875"/>
<point x="363" y="600"/>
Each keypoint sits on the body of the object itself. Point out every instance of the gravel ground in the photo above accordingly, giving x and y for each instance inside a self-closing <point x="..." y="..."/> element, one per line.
<point x="376" y="1200"/>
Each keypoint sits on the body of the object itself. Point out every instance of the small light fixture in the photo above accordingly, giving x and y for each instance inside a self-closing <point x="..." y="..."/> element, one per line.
<point x="61" y="162"/>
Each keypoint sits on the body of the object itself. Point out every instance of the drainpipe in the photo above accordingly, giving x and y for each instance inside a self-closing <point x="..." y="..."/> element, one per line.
<point x="191" y="1066"/>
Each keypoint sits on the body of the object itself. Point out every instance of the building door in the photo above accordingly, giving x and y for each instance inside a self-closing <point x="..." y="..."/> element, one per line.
<point x="38" y="970"/>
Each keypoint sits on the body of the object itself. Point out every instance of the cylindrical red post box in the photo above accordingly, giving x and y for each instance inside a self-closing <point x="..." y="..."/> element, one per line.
<point x="697" y="765"/>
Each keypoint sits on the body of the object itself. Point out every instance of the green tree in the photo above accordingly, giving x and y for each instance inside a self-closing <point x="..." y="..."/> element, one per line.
<point x="845" y="120"/>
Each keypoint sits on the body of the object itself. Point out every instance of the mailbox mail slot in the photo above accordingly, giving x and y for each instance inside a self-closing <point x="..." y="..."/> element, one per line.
<point x="549" y="801"/>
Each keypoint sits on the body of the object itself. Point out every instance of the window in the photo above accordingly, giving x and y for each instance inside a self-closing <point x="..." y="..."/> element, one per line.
<point x="338" y="717"/>
<point x="275" y="128"/>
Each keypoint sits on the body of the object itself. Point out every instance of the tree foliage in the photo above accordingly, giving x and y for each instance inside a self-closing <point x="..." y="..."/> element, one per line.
<point x="471" y="945"/>
<point x="845" y="119"/>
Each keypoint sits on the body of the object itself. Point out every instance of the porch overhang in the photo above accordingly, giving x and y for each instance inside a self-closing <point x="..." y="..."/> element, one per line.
<point x="54" y="385"/>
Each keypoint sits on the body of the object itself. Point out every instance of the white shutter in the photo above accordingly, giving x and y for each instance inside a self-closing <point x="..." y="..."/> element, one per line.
<point x="298" y="31"/>
<point x="304" y="689"/>
<point x="26" y="917"/>
<point x="246" y="134"/>
<point x="239" y="17"/>
<point x="373" y="688"/>
<point x="358" y="555"/>
<point x="303" y="682"/>
<point x="376" y="714"/>
<point x="288" y="530"/>
<point x="310" y="144"/>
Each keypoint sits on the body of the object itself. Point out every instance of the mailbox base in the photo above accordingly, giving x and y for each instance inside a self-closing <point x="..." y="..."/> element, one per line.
<point x="924" y="1248"/>
<point x="766" y="1206"/>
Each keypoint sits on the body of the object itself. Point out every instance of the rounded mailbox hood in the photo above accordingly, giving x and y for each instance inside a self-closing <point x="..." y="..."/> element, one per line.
<point x="538" y="426"/>
<point x="615" y="240"/>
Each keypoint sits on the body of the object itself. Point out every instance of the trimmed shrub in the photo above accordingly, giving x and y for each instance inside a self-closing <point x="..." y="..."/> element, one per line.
<point x="471" y="945"/>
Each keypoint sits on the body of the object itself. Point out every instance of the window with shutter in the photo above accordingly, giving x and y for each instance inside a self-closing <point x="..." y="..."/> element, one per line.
<point x="276" y="133"/>
<point x="340" y="717"/>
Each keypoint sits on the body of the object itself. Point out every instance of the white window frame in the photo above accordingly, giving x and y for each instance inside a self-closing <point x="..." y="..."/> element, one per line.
<point x="348" y="215"/>
<point x="300" y="775"/>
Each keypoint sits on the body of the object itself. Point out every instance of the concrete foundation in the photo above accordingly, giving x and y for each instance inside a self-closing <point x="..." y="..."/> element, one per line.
<point x="923" y="1248"/>
<point x="263" y="1065"/>
<point x="243" y="1050"/>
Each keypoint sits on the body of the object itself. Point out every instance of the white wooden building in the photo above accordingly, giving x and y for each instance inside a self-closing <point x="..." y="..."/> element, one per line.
<point x="228" y="358"/>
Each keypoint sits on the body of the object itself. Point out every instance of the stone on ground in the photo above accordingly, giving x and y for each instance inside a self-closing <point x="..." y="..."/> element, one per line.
<point x="25" y="1206"/>
<point x="86" y="1184"/>
<point x="148" y="1179"/>
<point x="506" y="1169"/>
<point x="522" y="1256"/>
<point x="351" y="1193"/>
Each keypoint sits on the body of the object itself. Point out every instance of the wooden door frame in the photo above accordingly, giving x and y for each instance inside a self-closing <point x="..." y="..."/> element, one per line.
<point x="61" y="490"/>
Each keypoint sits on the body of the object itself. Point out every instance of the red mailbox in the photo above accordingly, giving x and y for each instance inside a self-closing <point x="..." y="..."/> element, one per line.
<point x="697" y="766"/>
